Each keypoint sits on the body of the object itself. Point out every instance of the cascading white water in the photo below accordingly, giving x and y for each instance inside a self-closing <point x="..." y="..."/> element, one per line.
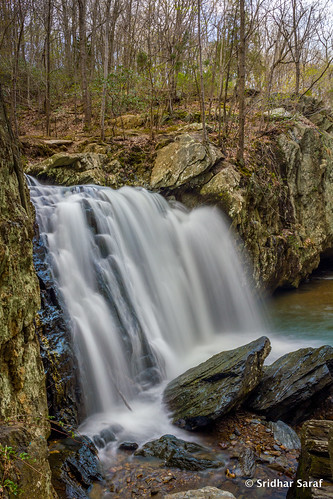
<point x="148" y="288"/>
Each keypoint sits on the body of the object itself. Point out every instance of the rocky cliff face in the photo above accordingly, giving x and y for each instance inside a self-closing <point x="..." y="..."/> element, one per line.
<point x="283" y="206"/>
<point x="23" y="407"/>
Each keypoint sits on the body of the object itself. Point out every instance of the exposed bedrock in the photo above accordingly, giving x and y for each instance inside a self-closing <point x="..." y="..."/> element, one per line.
<point x="23" y="406"/>
<point x="281" y="206"/>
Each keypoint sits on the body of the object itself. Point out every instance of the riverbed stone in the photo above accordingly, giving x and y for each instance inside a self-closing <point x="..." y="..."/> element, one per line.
<point x="204" y="493"/>
<point x="180" y="454"/>
<point x="182" y="160"/>
<point x="292" y="386"/>
<point x="286" y="435"/>
<point x="209" y="391"/>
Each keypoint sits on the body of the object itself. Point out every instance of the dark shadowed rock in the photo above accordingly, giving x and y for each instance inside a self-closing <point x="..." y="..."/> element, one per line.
<point x="75" y="467"/>
<point x="292" y="386"/>
<point x="314" y="462"/>
<point x="212" y="389"/>
<point x="128" y="446"/>
<point x="64" y="394"/>
<point x="179" y="454"/>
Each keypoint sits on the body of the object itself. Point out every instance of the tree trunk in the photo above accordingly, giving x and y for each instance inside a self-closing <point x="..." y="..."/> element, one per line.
<point x="105" y="68"/>
<point x="48" y="68"/>
<point x="202" y="90"/>
<point x="83" y="63"/>
<point x="241" y="83"/>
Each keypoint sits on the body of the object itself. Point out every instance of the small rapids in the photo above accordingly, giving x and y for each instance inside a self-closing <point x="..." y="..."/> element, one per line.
<point x="151" y="289"/>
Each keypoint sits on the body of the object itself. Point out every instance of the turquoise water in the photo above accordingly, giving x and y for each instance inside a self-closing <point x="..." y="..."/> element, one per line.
<point x="305" y="316"/>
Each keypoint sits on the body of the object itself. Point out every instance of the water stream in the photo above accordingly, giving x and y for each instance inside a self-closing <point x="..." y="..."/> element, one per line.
<point x="151" y="289"/>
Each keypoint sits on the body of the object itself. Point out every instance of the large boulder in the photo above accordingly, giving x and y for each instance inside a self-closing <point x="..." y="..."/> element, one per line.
<point x="293" y="384"/>
<point x="212" y="389"/>
<point x="180" y="454"/>
<point x="182" y="160"/>
<point x="314" y="462"/>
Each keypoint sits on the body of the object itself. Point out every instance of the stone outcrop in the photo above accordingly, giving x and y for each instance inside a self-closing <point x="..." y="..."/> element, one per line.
<point x="178" y="453"/>
<point x="22" y="381"/>
<point x="315" y="462"/>
<point x="291" y="387"/>
<point x="182" y="160"/>
<point x="215" y="387"/>
<point x="281" y="205"/>
<point x="72" y="169"/>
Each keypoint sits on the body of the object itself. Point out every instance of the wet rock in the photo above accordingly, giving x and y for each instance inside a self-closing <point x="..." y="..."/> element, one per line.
<point x="60" y="365"/>
<point x="75" y="467"/>
<point x="116" y="428"/>
<point x="286" y="435"/>
<point x="247" y="462"/>
<point x="128" y="446"/>
<point x="182" y="160"/>
<point x="98" y="441"/>
<point x="314" y="462"/>
<point x="212" y="389"/>
<point x="108" y="435"/>
<point x="179" y="454"/>
<point x="204" y="493"/>
<point x="291" y="386"/>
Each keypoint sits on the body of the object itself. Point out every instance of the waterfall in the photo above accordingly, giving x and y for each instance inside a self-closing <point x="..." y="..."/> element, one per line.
<point x="145" y="284"/>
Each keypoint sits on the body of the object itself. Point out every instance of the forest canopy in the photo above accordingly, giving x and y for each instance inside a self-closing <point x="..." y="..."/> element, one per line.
<point x="106" y="58"/>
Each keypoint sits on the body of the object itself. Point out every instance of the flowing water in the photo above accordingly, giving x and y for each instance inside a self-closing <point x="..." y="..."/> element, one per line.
<point x="151" y="289"/>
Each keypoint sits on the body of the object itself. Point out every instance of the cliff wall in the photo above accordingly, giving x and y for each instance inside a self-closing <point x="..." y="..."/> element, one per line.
<point x="23" y="408"/>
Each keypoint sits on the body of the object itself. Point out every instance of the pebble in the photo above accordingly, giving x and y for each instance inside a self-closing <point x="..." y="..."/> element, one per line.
<point x="268" y="430"/>
<point x="237" y="432"/>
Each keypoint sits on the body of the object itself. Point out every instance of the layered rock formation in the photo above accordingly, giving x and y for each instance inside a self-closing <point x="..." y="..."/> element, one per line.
<point x="23" y="406"/>
<point x="294" y="384"/>
<point x="209" y="391"/>
<point x="315" y="471"/>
